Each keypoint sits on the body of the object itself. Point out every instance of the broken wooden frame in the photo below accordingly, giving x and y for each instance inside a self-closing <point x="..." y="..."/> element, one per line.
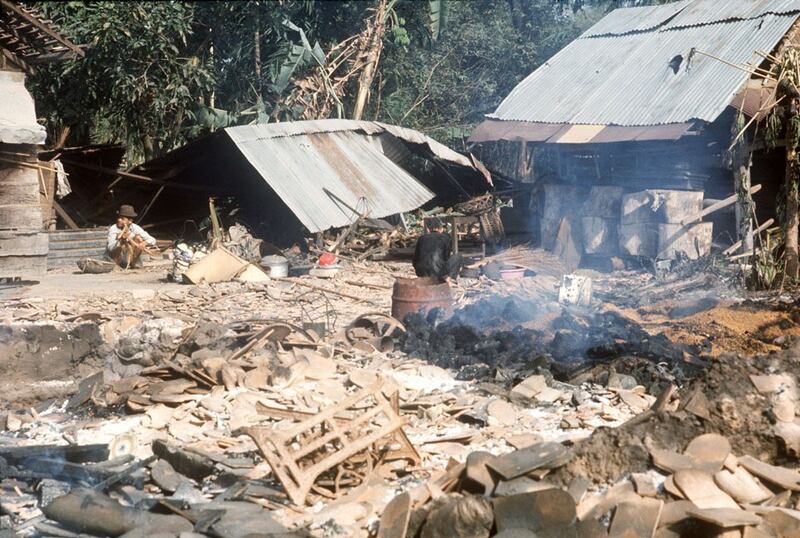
<point x="300" y="455"/>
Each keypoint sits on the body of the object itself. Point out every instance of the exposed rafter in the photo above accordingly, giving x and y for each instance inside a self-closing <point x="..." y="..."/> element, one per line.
<point x="26" y="38"/>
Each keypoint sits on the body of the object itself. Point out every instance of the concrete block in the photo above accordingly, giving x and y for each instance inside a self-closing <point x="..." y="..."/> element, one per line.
<point x="568" y="244"/>
<point x="640" y="239"/>
<point x="605" y="202"/>
<point x="660" y="206"/>
<point x="692" y="241"/>
<point x="559" y="201"/>
<point x="600" y="236"/>
<point x="548" y="229"/>
<point x="143" y="294"/>
<point x="562" y="200"/>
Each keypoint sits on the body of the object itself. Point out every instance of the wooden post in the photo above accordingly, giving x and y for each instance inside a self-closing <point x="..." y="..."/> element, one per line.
<point x="522" y="161"/>
<point x="742" y="161"/>
<point x="791" y="224"/>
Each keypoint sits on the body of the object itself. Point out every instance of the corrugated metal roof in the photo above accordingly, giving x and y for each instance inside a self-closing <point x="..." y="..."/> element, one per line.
<point x="686" y="13"/>
<point x="319" y="174"/>
<point x="553" y="133"/>
<point x="627" y="80"/>
<point x="702" y="12"/>
<point x="635" y="19"/>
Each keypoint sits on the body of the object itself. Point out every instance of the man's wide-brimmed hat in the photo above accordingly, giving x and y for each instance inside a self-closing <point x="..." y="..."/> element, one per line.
<point x="126" y="211"/>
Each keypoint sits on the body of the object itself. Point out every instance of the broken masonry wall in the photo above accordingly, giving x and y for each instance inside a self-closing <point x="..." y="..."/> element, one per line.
<point x="34" y="352"/>
<point x="23" y="245"/>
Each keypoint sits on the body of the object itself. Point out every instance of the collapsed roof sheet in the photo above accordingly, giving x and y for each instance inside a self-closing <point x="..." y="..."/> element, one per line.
<point x="324" y="178"/>
<point x="326" y="170"/>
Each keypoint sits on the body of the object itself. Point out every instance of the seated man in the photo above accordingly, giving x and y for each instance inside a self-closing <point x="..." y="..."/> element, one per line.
<point x="433" y="256"/>
<point x="126" y="240"/>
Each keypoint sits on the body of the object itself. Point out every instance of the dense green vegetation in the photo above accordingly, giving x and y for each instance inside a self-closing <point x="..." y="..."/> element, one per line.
<point x="157" y="74"/>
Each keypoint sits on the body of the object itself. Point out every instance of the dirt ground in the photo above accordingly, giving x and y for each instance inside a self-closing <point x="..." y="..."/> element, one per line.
<point x="68" y="302"/>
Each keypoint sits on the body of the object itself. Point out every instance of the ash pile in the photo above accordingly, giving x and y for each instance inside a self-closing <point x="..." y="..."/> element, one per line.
<point x="502" y="336"/>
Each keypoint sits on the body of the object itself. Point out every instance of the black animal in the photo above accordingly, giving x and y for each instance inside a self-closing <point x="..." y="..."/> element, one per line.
<point x="432" y="257"/>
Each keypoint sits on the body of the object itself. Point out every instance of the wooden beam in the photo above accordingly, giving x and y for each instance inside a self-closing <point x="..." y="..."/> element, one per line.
<point x="742" y="160"/>
<point x="150" y="204"/>
<point x="63" y="215"/>
<point x="136" y="177"/>
<point x="18" y="62"/>
<point x="49" y="57"/>
<point x="719" y="205"/>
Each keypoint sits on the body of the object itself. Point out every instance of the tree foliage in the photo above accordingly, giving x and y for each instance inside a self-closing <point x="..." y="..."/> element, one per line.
<point x="142" y="73"/>
<point x="157" y="74"/>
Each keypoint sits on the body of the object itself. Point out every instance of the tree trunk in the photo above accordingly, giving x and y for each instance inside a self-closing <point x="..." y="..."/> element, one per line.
<point x="257" y="49"/>
<point x="790" y="226"/>
<point x="742" y="160"/>
<point x="373" y="57"/>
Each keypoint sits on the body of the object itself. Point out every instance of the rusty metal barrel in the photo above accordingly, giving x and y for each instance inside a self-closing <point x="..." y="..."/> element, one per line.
<point x="420" y="295"/>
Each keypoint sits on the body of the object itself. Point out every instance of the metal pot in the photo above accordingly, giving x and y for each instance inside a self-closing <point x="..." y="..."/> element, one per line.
<point x="278" y="266"/>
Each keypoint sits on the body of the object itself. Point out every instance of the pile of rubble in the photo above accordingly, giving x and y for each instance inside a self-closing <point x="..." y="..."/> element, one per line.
<point x="512" y="418"/>
<point x="694" y="464"/>
<point x="346" y="437"/>
<point x="286" y="419"/>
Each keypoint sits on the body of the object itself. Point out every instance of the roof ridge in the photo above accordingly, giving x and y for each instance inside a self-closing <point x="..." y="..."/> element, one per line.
<point x="664" y="24"/>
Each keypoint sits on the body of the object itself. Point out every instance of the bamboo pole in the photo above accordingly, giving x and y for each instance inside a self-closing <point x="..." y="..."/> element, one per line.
<point x="716" y="207"/>
<point x="734" y="247"/>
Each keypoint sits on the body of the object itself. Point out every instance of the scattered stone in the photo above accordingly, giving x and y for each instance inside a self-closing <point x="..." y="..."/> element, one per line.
<point x="544" y="511"/>
<point x="742" y="486"/>
<point x="725" y="517"/>
<point x="708" y="452"/>
<point x="526" y="390"/>
<point x="478" y="473"/>
<point x="636" y="518"/>
<point x="785" y="478"/>
<point x="502" y="412"/>
<point x="699" y="487"/>
<point x="521" y="484"/>
<point x="644" y="484"/>
<point x="520" y="462"/>
<point x="670" y="461"/>
<point x="165" y="476"/>
<point x="621" y="381"/>
<point x="470" y="516"/>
